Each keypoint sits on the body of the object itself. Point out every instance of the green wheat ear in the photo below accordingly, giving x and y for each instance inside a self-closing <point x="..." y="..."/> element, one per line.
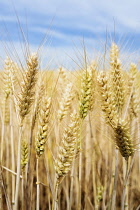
<point x="86" y="92"/>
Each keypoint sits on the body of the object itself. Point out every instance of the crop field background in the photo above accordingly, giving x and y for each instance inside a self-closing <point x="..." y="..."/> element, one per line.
<point x="70" y="139"/>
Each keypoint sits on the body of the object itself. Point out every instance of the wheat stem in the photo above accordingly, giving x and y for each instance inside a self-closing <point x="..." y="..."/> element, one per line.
<point x="18" y="169"/>
<point x="113" y="205"/>
<point x="37" y="183"/>
<point x="71" y="185"/>
<point x="125" y="185"/>
<point x="128" y="171"/>
<point x="80" y="167"/>
<point x="12" y="150"/>
<point x="56" y="201"/>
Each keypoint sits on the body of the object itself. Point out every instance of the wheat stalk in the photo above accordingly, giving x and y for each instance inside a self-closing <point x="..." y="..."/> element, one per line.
<point x="67" y="151"/>
<point x="24" y="103"/>
<point x="42" y="136"/>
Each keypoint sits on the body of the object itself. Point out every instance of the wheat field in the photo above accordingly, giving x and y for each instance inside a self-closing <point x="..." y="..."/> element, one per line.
<point x="70" y="139"/>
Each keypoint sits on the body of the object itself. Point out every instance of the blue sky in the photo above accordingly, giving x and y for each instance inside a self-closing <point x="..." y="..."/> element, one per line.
<point x="67" y="23"/>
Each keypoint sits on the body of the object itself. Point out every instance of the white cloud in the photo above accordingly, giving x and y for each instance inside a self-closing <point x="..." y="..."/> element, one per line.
<point x="83" y="11"/>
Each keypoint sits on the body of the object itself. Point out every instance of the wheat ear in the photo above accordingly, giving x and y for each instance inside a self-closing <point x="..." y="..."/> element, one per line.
<point x="25" y="101"/>
<point x="108" y="106"/>
<point x="27" y="88"/>
<point x="24" y="161"/>
<point x="66" y="152"/>
<point x="65" y="102"/>
<point x="42" y="137"/>
<point x="117" y="79"/>
<point x="123" y="139"/>
<point x="24" y="154"/>
<point x="86" y="92"/>
<point x="134" y="101"/>
<point x="43" y="126"/>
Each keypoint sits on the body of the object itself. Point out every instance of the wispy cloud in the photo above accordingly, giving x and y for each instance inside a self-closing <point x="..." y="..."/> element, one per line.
<point x="67" y="22"/>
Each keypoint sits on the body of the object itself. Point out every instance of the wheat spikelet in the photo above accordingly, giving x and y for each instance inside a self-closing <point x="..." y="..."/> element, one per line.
<point x="93" y="68"/>
<point x="67" y="150"/>
<point x="134" y="104"/>
<point x="108" y="106"/>
<point x="123" y="139"/>
<point x="10" y="68"/>
<point x="6" y="111"/>
<point x="65" y="102"/>
<point x="117" y="79"/>
<point x="100" y="191"/>
<point x="63" y="75"/>
<point x="9" y="81"/>
<point x="43" y="126"/>
<point x="24" y="154"/>
<point x="38" y="104"/>
<point x="86" y="92"/>
<point x="7" y="77"/>
<point x="7" y="89"/>
<point x="133" y="70"/>
<point x="27" y="89"/>
<point x="134" y="101"/>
